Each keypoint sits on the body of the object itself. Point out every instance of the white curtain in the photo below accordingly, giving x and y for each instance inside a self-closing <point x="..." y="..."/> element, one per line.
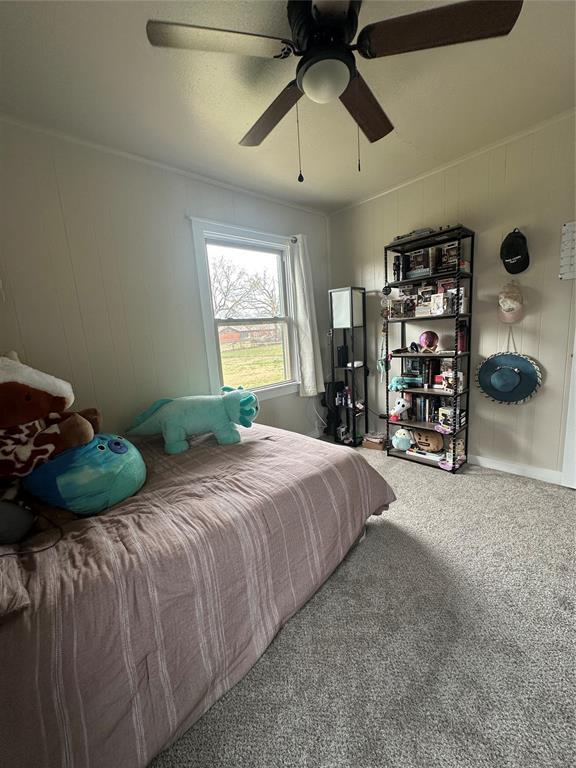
<point x="310" y="360"/>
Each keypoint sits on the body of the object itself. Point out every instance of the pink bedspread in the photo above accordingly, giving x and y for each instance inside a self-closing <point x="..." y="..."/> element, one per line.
<point x="141" y="618"/>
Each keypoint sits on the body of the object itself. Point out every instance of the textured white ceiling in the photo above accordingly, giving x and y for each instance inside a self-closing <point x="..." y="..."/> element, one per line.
<point x="86" y="69"/>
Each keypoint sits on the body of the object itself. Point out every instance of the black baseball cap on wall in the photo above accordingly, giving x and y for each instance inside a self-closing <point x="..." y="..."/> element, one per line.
<point x="514" y="252"/>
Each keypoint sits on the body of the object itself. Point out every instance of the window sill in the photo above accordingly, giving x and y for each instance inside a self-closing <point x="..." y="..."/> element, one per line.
<point x="276" y="390"/>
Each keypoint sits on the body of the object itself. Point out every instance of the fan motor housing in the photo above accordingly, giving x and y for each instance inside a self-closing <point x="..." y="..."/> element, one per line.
<point x="310" y="29"/>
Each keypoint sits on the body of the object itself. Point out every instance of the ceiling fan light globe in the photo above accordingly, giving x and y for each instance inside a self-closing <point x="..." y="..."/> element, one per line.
<point x="326" y="80"/>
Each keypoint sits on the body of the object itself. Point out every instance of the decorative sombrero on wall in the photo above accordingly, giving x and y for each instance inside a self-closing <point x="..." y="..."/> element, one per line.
<point x="508" y="377"/>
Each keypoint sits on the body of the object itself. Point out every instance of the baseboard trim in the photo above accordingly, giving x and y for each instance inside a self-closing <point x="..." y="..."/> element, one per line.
<point x="536" y="473"/>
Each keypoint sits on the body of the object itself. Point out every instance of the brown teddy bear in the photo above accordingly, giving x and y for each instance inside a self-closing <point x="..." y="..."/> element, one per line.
<point x="34" y="423"/>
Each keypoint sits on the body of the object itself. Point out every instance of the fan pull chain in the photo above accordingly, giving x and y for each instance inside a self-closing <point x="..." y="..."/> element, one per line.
<point x="300" y="176"/>
<point x="358" y="146"/>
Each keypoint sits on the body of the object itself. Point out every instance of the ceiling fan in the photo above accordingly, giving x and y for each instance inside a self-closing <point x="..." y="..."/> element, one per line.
<point x="323" y="31"/>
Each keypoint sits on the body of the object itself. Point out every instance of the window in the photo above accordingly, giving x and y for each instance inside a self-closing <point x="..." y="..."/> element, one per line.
<point x="246" y="297"/>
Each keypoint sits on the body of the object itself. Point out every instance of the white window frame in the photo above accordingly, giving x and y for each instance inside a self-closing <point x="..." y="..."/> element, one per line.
<point x="204" y="231"/>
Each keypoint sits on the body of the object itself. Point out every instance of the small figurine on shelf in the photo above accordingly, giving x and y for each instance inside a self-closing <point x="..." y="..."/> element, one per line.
<point x="396" y="268"/>
<point x="402" y="439"/>
<point x="455" y="455"/>
<point x="443" y="427"/>
<point x="450" y="377"/>
<point x="401" y="407"/>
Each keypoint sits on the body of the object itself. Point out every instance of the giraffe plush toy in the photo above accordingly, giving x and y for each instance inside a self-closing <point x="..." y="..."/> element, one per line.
<point x="34" y="423"/>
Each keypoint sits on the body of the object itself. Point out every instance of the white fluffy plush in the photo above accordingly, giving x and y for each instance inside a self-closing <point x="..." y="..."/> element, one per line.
<point x="13" y="370"/>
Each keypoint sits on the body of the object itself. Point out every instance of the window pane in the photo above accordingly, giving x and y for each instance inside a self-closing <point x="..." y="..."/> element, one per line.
<point x="254" y="355"/>
<point x="245" y="282"/>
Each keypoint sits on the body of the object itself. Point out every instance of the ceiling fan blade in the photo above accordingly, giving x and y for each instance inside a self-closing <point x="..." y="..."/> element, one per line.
<point x="167" y="34"/>
<point x="364" y="108"/>
<point x="446" y="25"/>
<point x="281" y="105"/>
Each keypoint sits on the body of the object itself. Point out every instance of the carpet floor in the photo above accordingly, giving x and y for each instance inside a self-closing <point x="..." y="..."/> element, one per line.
<point x="444" y="640"/>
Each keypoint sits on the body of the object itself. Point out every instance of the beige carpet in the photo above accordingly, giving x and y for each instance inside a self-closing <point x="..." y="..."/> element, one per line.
<point x="445" y="640"/>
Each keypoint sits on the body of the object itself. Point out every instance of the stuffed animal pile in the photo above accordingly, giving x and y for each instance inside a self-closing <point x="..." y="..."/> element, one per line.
<point x="34" y="424"/>
<point x="61" y="458"/>
<point x="48" y="450"/>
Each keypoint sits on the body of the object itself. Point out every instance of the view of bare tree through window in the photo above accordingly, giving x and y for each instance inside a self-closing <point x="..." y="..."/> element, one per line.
<point x="248" y="285"/>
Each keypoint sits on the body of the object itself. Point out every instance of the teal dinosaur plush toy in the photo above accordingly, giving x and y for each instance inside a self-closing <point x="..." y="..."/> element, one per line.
<point x="180" y="417"/>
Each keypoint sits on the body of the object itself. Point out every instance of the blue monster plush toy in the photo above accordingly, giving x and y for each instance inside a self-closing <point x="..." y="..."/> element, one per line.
<point x="89" y="478"/>
<point x="179" y="418"/>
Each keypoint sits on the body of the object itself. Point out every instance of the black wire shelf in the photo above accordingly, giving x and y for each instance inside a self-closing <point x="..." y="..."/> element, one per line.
<point x="429" y="239"/>
<point x="431" y="355"/>
<point x="422" y="425"/>
<point x="460" y="273"/>
<point x="431" y="392"/>
<point x="461" y="315"/>
<point x="421" y="460"/>
<point x="428" y="272"/>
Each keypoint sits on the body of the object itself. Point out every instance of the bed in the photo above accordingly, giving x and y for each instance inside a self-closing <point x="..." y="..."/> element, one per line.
<point x="117" y="639"/>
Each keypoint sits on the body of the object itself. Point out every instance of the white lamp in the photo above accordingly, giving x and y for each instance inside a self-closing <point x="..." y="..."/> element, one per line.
<point x="325" y="75"/>
<point x="325" y="80"/>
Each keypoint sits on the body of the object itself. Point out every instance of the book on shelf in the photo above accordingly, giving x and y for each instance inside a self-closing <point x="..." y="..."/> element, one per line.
<point x="426" y="454"/>
<point x="435" y="410"/>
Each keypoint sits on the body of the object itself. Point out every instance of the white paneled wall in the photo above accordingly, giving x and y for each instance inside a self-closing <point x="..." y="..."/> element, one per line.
<point x="99" y="278"/>
<point x="526" y="183"/>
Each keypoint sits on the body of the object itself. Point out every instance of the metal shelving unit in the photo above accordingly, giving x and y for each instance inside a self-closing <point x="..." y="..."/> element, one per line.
<point x="459" y="399"/>
<point x="348" y="326"/>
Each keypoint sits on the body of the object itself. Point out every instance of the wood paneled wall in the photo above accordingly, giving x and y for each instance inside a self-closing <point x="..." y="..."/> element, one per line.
<point x="98" y="273"/>
<point x="526" y="183"/>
